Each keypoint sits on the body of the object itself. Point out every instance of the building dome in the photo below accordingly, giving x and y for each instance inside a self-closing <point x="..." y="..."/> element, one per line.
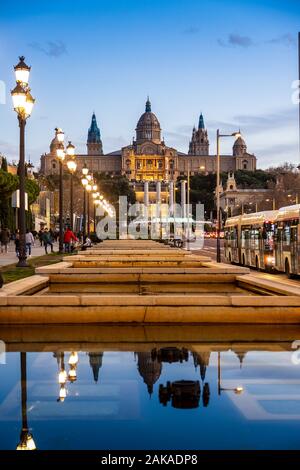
<point x="54" y="144"/>
<point x="149" y="369"/>
<point x="148" y="127"/>
<point x="239" y="147"/>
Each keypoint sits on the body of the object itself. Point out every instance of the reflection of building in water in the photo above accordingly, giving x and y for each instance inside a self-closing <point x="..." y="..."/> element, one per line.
<point x="149" y="369"/>
<point x="95" y="360"/>
<point x="183" y="393"/>
<point x="241" y="355"/>
<point x="170" y="354"/>
<point x="202" y="360"/>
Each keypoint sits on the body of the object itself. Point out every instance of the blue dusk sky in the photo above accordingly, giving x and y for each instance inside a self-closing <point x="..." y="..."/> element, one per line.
<point x="233" y="60"/>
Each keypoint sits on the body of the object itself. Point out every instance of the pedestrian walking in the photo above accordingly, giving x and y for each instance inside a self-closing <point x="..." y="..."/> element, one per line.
<point x="47" y="239"/>
<point x="17" y="242"/>
<point x="40" y="235"/>
<point x="4" y="239"/>
<point x="29" y="239"/>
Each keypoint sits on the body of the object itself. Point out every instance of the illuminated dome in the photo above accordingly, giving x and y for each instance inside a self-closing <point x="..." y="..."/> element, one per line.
<point x="54" y="144"/>
<point x="239" y="147"/>
<point x="148" y="127"/>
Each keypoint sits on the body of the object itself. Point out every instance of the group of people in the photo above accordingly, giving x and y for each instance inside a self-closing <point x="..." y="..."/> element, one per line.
<point x="46" y="238"/>
<point x="6" y="237"/>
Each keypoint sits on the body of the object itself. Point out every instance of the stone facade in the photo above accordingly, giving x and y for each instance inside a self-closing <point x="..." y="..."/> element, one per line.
<point x="236" y="201"/>
<point x="148" y="158"/>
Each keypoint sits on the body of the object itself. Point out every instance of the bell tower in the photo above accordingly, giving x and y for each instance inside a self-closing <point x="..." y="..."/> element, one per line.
<point x="94" y="142"/>
<point x="199" y="144"/>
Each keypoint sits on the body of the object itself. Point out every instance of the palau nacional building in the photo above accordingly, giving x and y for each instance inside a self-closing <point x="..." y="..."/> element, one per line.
<point x="149" y="159"/>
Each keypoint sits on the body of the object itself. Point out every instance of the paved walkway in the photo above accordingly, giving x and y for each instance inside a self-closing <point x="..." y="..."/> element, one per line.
<point x="10" y="257"/>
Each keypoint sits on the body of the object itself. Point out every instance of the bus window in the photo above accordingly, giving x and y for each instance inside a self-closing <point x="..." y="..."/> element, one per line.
<point x="268" y="236"/>
<point x="286" y="235"/>
<point x="245" y="238"/>
<point x="293" y="233"/>
<point x="254" y="239"/>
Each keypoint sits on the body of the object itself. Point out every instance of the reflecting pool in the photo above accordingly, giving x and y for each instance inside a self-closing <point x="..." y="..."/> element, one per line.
<point x="150" y="388"/>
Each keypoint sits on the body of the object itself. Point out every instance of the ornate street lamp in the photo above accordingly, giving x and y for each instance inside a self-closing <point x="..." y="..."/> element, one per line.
<point x="88" y="189"/>
<point x="73" y="361"/>
<point x="84" y="182"/>
<point x="23" y="104"/>
<point x="72" y="166"/>
<point x="94" y="188"/>
<point x="60" y="153"/>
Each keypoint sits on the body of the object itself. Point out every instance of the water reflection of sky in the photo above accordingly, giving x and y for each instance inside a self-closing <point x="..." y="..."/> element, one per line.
<point x="117" y="412"/>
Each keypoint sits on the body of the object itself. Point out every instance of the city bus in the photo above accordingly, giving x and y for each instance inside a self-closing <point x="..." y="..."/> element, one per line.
<point x="249" y="240"/>
<point x="287" y="236"/>
<point x="231" y="239"/>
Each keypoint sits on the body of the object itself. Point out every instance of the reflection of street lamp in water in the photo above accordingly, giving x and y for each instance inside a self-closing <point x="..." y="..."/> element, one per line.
<point x="62" y="378"/>
<point x="73" y="361"/>
<point x="26" y="439"/>
<point x="237" y="390"/>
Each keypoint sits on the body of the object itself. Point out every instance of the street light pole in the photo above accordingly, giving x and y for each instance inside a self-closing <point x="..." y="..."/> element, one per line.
<point x="88" y="188"/>
<point x="61" y="208"/>
<point x="60" y="153"/>
<point x="84" y="213"/>
<point x="22" y="213"/>
<point x="188" y="201"/>
<point x="94" y="188"/>
<point x="218" y="199"/>
<point x="23" y="104"/>
<point x="84" y="182"/>
<point x="72" y="165"/>
<point x="234" y="134"/>
<point x="88" y="212"/>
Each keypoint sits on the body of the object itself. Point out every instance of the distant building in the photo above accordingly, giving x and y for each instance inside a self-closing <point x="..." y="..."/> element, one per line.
<point x="236" y="201"/>
<point x="148" y="158"/>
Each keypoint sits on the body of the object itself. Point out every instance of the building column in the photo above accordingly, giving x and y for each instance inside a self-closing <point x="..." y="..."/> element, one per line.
<point x="146" y="193"/>
<point x="183" y="198"/>
<point x="171" y="193"/>
<point x="158" y="192"/>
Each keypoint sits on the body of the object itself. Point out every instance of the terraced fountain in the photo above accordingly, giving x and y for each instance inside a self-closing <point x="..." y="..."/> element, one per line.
<point x="144" y="282"/>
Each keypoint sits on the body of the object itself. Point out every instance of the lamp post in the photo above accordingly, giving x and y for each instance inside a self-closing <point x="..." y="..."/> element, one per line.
<point x="72" y="165"/>
<point x="84" y="182"/>
<point x="26" y="439"/>
<point x="60" y="153"/>
<point x="95" y="199"/>
<point x="88" y="189"/>
<point x="188" y="202"/>
<point x="219" y="135"/>
<point x="23" y="104"/>
<point x="94" y="188"/>
<point x="273" y="203"/>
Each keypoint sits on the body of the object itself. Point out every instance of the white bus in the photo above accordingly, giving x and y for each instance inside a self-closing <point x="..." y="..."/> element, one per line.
<point x="249" y="240"/>
<point x="287" y="237"/>
<point x="231" y="239"/>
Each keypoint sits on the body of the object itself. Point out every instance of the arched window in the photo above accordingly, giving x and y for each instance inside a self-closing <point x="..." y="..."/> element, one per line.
<point x="53" y="164"/>
<point x="245" y="164"/>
